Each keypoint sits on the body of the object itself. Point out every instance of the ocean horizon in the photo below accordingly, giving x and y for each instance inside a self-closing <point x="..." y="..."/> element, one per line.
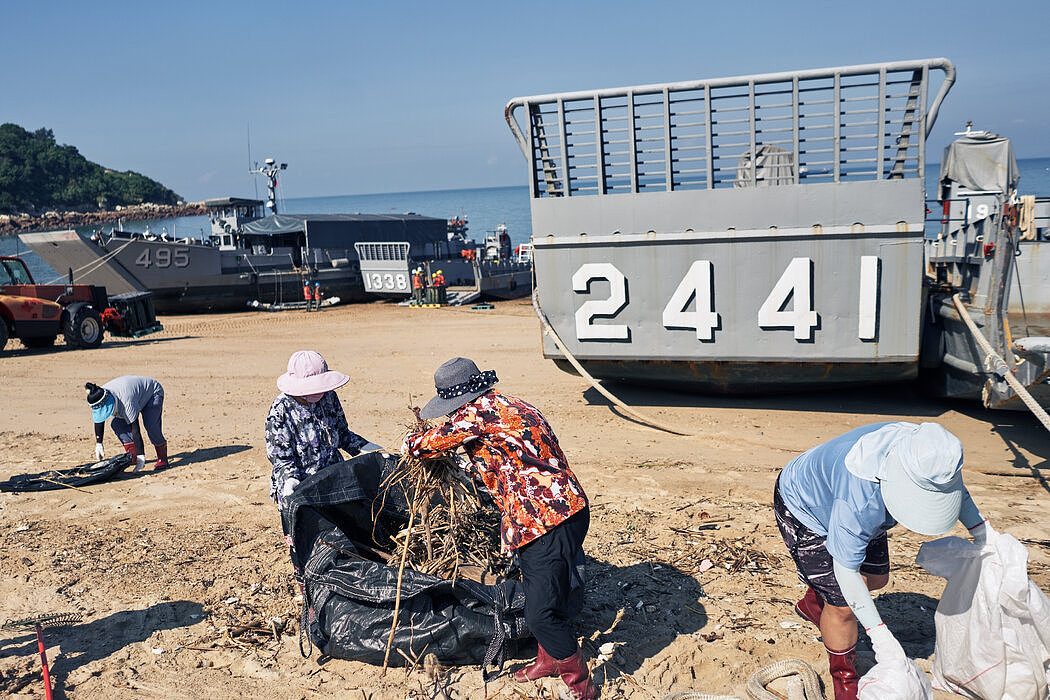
<point x="484" y="207"/>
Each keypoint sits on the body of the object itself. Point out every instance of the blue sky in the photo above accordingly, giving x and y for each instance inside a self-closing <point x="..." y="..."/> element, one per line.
<point x="399" y="96"/>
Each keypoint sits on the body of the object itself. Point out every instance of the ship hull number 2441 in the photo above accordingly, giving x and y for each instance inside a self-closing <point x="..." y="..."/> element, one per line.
<point x="795" y="286"/>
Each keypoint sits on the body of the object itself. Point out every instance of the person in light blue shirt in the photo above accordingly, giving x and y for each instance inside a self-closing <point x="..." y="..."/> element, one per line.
<point x="834" y="504"/>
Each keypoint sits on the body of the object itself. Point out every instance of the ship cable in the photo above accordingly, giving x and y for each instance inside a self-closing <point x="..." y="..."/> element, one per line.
<point x="94" y="264"/>
<point x="999" y="366"/>
<point x="549" y="330"/>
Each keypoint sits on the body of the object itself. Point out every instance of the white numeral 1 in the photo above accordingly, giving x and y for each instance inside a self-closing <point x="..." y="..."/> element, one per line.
<point x="607" y="308"/>
<point x="794" y="285"/>
<point x="698" y="282"/>
<point x="868" y="313"/>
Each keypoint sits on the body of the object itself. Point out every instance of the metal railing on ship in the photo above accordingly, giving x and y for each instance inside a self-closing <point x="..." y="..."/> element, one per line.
<point x="850" y="123"/>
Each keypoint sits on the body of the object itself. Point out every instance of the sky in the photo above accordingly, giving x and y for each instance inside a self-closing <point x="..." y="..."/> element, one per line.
<point x="399" y="96"/>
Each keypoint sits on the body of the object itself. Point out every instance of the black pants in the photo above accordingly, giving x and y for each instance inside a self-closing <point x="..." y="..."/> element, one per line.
<point x="551" y="571"/>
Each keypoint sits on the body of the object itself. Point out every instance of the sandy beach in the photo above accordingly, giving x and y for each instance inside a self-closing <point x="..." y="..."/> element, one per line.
<point x="177" y="574"/>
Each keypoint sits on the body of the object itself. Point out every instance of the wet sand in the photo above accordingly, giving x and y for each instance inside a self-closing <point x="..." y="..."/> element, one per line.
<point x="168" y="568"/>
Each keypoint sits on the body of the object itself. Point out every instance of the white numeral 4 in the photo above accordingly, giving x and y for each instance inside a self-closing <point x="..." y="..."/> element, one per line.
<point x="795" y="285"/>
<point x="698" y="283"/>
<point x="605" y="308"/>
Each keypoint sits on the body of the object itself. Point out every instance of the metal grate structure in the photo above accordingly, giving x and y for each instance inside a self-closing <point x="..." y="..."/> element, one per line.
<point x="843" y="124"/>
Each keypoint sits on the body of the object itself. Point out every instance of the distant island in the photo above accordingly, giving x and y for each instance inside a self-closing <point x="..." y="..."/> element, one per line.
<point x="44" y="185"/>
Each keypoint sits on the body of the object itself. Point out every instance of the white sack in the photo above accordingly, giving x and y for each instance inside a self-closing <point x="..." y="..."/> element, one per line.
<point x="896" y="679"/>
<point x="993" y="623"/>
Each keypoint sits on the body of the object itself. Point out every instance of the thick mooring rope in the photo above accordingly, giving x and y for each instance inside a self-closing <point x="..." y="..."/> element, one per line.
<point x="803" y="683"/>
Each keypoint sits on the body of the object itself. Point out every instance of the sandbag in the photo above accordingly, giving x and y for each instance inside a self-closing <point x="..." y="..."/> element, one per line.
<point x="993" y="622"/>
<point x="896" y="679"/>
<point x="338" y="523"/>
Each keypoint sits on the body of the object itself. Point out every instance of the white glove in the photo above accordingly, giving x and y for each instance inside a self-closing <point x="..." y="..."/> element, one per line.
<point x="886" y="647"/>
<point x="140" y="462"/>
<point x="982" y="532"/>
<point x="289" y="486"/>
<point x="100" y="453"/>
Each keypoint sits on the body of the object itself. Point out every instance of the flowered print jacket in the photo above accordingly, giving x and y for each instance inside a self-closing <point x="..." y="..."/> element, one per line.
<point x="302" y="439"/>
<point x="518" y="457"/>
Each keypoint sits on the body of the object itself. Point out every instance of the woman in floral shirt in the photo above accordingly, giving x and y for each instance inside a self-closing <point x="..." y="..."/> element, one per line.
<point x="545" y="511"/>
<point x="306" y="426"/>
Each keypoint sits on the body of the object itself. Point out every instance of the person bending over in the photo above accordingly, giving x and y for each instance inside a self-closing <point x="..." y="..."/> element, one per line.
<point x="833" y="506"/>
<point x="306" y="426"/>
<point x="124" y="399"/>
<point x="544" y="510"/>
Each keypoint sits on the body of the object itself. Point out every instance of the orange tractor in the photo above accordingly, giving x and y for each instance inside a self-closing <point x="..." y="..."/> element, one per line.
<point x="37" y="313"/>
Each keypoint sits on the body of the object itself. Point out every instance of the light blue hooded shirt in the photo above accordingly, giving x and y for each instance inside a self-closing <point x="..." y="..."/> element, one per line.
<point x="831" y="501"/>
<point x="833" y="489"/>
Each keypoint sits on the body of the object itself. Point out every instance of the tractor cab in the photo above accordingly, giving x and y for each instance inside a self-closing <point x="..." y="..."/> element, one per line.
<point x="37" y="313"/>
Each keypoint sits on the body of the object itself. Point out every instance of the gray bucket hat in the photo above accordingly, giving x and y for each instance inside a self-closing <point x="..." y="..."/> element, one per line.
<point x="458" y="382"/>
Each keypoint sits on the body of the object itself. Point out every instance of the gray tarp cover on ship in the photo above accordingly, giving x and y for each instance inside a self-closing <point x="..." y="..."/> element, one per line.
<point x="983" y="164"/>
<point x="343" y="230"/>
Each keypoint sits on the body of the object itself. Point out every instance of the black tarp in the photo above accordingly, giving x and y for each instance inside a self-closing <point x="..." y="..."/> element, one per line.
<point x="343" y="230"/>
<point x="349" y="595"/>
<point x="84" y="475"/>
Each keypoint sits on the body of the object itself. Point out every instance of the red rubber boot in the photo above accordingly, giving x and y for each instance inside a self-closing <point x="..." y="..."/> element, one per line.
<point x="810" y="607"/>
<point x="162" y="456"/>
<point x="843" y="665"/>
<point x="130" y="448"/>
<point x="575" y="674"/>
<point x="543" y="667"/>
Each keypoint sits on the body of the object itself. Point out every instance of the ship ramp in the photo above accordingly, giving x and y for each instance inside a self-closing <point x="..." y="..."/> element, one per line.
<point x="68" y="250"/>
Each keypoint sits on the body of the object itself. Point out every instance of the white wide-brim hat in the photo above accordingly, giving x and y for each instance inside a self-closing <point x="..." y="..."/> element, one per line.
<point x="308" y="374"/>
<point x="921" y="480"/>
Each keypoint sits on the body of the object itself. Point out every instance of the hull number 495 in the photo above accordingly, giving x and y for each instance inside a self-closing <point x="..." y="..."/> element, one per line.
<point x="164" y="257"/>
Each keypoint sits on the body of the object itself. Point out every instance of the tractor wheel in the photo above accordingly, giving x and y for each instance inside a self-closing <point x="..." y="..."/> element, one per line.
<point x="3" y="334"/>
<point x="83" y="328"/>
<point x="39" y="342"/>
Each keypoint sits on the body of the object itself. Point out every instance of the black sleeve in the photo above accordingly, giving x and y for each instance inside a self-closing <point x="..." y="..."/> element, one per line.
<point x="100" y="430"/>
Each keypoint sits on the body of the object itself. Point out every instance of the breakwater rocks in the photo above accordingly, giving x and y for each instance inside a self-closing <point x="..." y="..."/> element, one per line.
<point x="55" y="220"/>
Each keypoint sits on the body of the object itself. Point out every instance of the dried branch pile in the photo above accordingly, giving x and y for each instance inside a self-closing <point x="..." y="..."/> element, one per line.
<point x="453" y="528"/>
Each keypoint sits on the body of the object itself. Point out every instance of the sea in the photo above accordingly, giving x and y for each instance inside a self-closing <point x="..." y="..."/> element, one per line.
<point x="485" y="209"/>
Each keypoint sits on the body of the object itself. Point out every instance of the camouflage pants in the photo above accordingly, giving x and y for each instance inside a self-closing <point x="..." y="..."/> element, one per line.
<point x="812" y="559"/>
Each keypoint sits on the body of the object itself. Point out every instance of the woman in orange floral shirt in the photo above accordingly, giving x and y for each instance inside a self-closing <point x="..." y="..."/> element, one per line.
<point x="545" y="512"/>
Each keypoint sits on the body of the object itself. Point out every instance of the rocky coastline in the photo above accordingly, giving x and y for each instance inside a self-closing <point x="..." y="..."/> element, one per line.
<point x="57" y="220"/>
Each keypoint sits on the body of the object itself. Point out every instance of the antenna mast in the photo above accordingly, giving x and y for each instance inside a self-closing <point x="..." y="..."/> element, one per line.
<point x="270" y="170"/>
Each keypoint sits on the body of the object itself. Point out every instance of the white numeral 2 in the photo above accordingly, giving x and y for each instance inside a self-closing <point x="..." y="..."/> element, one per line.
<point x="795" y="285"/>
<point x="607" y="308"/>
<point x="699" y="283"/>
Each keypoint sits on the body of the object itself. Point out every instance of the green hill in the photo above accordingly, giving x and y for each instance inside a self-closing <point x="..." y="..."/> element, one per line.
<point x="38" y="174"/>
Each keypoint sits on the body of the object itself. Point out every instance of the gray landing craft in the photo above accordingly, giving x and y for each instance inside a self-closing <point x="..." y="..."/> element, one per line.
<point x="766" y="233"/>
<point x="251" y="258"/>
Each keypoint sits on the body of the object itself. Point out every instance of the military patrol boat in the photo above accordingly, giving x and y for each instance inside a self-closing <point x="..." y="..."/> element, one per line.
<point x="250" y="258"/>
<point x="756" y="233"/>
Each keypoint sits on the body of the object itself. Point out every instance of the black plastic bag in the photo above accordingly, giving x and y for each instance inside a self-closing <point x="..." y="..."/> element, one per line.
<point x="337" y="520"/>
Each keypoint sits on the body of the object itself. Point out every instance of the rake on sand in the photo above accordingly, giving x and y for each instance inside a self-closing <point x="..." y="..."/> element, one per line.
<point x="38" y="623"/>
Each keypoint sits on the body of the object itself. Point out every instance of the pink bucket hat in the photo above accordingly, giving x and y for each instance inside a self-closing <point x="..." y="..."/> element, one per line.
<point x="307" y="374"/>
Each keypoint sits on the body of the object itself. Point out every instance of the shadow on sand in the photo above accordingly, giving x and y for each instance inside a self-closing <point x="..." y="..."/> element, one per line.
<point x="23" y="351"/>
<point x="910" y="617"/>
<point x="1017" y="429"/>
<point x="90" y="641"/>
<point x="184" y="459"/>
<point x="643" y="607"/>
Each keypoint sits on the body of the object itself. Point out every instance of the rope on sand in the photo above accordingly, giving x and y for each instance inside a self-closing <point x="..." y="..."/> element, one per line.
<point x="803" y="683"/>
<point x="641" y="417"/>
